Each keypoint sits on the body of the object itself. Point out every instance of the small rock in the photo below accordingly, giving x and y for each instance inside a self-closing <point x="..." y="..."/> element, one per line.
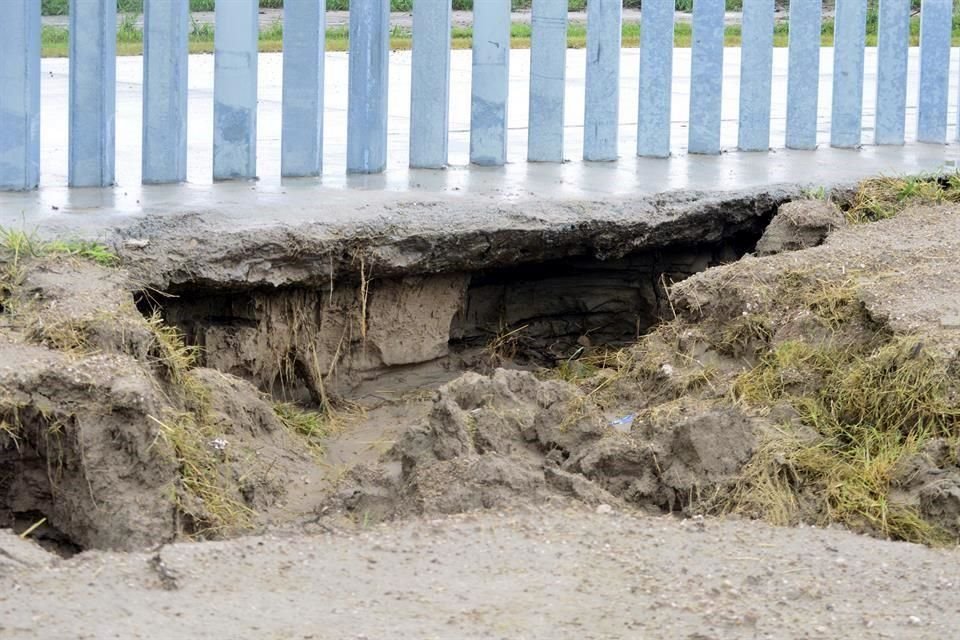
<point x="604" y="509"/>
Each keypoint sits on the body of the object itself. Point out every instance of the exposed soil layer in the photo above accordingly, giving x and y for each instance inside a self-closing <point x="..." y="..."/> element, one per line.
<point x="393" y="335"/>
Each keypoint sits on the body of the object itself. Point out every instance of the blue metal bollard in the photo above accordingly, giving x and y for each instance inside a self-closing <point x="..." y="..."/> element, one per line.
<point x="935" y="27"/>
<point x="304" y="49"/>
<point x="430" y="84"/>
<point x="367" y="106"/>
<point x="548" y="69"/>
<point x="602" y="95"/>
<point x="235" y="90"/>
<point x="706" y="77"/>
<point x="491" y="81"/>
<point x="756" y="76"/>
<point x="656" y="77"/>
<point x="893" y="39"/>
<point x="803" y="79"/>
<point x="165" y="29"/>
<point x="93" y="93"/>
<point x="847" y="110"/>
<point x="20" y="96"/>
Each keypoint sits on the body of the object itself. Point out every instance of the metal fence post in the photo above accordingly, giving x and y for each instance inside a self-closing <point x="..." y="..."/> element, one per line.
<point x="756" y="76"/>
<point x="935" y="27"/>
<point x="235" y="90"/>
<point x="491" y="82"/>
<point x="304" y="48"/>
<point x="93" y="93"/>
<point x="367" y="86"/>
<point x="656" y="78"/>
<point x="849" y="40"/>
<point x="548" y="72"/>
<point x="430" y="84"/>
<point x="893" y="39"/>
<point x="602" y="95"/>
<point x="803" y="73"/>
<point x="20" y="96"/>
<point x="165" y="28"/>
<point x="706" y="76"/>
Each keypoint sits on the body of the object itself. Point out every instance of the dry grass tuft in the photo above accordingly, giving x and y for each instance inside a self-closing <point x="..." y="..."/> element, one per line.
<point x="505" y="345"/>
<point x="171" y="351"/>
<point x="205" y="498"/>
<point x="884" y="197"/>
<point x="312" y="426"/>
<point x="17" y="246"/>
<point x="868" y="409"/>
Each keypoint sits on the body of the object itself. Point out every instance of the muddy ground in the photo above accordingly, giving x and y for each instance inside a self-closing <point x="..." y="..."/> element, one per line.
<point x="489" y="450"/>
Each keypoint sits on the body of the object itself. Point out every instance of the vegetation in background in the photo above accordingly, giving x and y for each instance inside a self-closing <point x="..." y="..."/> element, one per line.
<point x="60" y="7"/>
<point x="55" y="40"/>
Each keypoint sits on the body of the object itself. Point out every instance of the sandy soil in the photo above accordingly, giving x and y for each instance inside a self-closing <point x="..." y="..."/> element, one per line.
<point x="555" y="573"/>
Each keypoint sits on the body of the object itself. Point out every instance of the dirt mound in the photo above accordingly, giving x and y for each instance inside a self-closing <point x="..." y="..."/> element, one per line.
<point x="512" y="438"/>
<point x="800" y="224"/>
<point x="847" y="357"/>
<point x="109" y="432"/>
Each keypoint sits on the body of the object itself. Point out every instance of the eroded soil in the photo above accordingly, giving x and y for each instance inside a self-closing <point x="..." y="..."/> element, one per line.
<point x="522" y="498"/>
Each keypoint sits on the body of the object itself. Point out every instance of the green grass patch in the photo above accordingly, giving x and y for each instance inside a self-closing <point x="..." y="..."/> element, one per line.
<point x="871" y="408"/>
<point x="885" y="196"/>
<point x="17" y="245"/>
<point x="870" y="400"/>
<point x="313" y="426"/>
<point x="55" y="40"/>
<point x="61" y="7"/>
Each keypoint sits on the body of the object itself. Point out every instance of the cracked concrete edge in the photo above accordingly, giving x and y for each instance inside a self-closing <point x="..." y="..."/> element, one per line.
<point x="405" y="237"/>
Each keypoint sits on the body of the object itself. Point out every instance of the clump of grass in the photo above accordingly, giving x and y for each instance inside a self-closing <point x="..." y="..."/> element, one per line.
<point x="505" y="345"/>
<point x="192" y="439"/>
<point x="205" y="498"/>
<point x="869" y="408"/>
<point x="313" y="426"/>
<point x="744" y="334"/>
<point x="574" y="371"/>
<point x="93" y="251"/>
<point x="17" y="245"/>
<point x="816" y="193"/>
<point x="884" y="197"/>
<point x="171" y="350"/>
